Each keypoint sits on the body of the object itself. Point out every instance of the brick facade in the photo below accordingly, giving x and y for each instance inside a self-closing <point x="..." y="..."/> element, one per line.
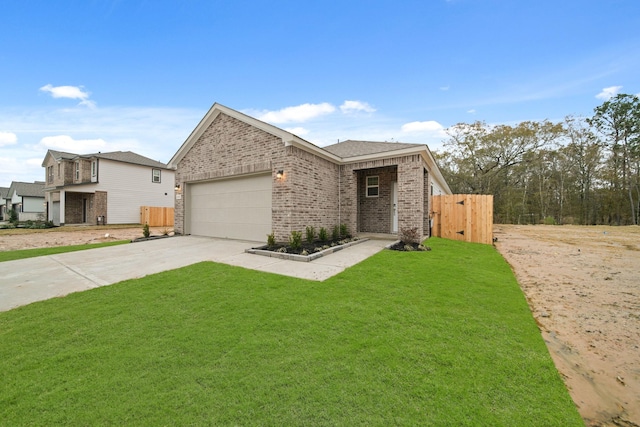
<point x="314" y="191"/>
<point x="374" y="213"/>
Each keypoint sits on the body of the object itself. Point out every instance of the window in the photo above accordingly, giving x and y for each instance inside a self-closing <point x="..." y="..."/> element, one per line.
<point x="77" y="171"/>
<point x="373" y="187"/>
<point x="49" y="174"/>
<point x="155" y="177"/>
<point x="94" y="168"/>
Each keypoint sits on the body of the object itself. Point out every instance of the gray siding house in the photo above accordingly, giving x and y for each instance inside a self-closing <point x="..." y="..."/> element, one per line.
<point x="104" y="188"/>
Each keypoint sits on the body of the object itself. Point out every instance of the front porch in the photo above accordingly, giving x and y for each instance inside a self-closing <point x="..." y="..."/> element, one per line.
<point x="74" y="207"/>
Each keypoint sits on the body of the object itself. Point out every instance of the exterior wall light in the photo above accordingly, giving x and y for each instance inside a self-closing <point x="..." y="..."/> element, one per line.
<point x="279" y="174"/>
<point x="177" y="187"/>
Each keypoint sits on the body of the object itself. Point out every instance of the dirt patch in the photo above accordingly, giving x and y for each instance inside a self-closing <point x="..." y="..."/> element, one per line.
<point x="65" y="236"/>
<point x="583" y="287"/>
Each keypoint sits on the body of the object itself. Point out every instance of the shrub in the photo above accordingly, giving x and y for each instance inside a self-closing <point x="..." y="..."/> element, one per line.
<point x="322" y="234"/>
<point x="295" y="240"/>
<point x="335" y="235"/>
<point x="271" y="240"/>
<point x="13" y="216"/>
<point x="549" y="220"/>
<point x="410" y="235"/>
<point x="344" y="232"/>
<point x="311" y="234"/>
<point x="145" y="230"/>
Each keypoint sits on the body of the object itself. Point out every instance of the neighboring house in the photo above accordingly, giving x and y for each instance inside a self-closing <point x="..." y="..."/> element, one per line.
<point x="27" y="200"/>
<point x="238" y="177"/>
<point x="4" y="192"/>
<point x="104" y="188"/>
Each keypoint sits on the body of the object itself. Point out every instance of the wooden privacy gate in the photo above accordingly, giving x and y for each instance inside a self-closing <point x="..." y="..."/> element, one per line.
<point x="466" y="217"/>
<point x="156" y="216"/>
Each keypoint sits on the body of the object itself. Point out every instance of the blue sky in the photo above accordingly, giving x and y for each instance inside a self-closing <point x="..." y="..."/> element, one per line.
<point x="89" y="75"/>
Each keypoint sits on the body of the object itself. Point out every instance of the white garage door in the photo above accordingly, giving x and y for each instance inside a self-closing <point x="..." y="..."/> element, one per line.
<point x="238" y="208"/>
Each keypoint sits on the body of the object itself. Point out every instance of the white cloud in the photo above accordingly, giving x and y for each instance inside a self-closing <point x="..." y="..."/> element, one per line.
<point x="444" y="88"/>
<point x="8" y="138"/>
<point x="608" y="92"/>
<point x="34" y="162"/>
<point x="67" y="143"/>
<point x="471" y="111"/>
<point x="356" y="106"/>
<point x="297" y="131"/>
<point x="71" y="92"/>
<point x="299" y="113"/>
<point x="426" y="126"/>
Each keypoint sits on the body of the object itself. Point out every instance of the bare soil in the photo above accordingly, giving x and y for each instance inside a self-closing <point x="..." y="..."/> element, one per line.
<point x="71" y="235"/>
<point x="583" y="287"/>
<point x="582" y="284"/>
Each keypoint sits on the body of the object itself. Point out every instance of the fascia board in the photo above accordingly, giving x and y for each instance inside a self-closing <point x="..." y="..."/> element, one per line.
<point x="193" y="137"/>
<point x="386" y="155"/>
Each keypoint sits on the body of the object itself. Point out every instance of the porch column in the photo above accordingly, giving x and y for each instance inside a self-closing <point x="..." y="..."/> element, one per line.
<point x="411" y="196"/>
<point x="63" y="199"/>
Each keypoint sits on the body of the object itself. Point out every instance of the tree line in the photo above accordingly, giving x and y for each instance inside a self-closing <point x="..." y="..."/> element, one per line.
<point x="583" y="170"/>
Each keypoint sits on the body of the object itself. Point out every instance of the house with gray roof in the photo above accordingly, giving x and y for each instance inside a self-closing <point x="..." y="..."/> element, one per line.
<point x="239" y="177"/>
<point x="103" y="188"/>
<point x="4" y="194"/>
<point x="26" y="199"/>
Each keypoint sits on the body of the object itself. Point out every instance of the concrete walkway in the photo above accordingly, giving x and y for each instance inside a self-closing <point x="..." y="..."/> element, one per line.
<point x="35" y="279"/>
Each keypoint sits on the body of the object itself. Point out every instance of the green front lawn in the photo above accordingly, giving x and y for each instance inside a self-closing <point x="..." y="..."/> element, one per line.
<point x="432" y="338"/>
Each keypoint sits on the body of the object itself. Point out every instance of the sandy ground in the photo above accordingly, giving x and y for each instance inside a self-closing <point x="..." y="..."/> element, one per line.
<point x="582" y="284"/>
<point x="583" y="287"/>
<point x="65" y="236"/>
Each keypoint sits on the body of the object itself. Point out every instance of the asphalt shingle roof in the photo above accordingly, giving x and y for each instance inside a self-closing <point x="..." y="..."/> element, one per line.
<point x="27" y="189"/>
<point x="118" y="156"/>
<point x="352" y="148"/>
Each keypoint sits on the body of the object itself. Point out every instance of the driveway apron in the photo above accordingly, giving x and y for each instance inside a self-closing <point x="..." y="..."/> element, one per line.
<point x="35" y="279"/>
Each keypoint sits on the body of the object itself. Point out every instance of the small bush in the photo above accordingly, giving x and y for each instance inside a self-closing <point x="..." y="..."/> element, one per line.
<point x="13" y="216"/>
<point x="410" y="235"/>
<point x="322" y="234"/>
<point x="311" y="234"/>
<point x="271" y="240"/>
<point x="145" y="230"/>
<point x="295" y="240"/>
<point x="344" y="231"/>
<point x="549" y="220"/>
<point x="335" y="234"/>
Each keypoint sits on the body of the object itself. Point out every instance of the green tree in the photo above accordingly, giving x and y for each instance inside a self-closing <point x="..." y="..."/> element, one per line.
<point x="618" y="121"/>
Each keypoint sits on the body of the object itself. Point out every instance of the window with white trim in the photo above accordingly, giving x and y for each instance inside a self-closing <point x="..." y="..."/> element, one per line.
<point x="94" y="168"/>
<point x="155" y="176"/>
<point x="373" y="186"/>
<point x="78" y="171"/>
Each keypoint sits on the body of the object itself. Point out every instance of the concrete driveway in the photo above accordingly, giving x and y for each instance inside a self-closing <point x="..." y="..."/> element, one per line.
<point x="35" y="279"/>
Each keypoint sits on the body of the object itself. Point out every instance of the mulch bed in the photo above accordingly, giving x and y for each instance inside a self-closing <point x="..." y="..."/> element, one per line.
<point x="409" y="247"/>
<point x="306" y="248"/>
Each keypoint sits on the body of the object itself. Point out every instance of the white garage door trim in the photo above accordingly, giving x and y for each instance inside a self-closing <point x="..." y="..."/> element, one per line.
<point x="234" y="208"/>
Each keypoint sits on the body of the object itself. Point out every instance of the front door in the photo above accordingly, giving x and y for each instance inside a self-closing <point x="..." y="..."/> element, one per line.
<point x="394" y="206"/>
<point x="84" y="210"/>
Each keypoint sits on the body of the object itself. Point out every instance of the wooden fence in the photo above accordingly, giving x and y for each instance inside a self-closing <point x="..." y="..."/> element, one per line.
<point x="156" y="216"/>
<point x="466" y="217"/>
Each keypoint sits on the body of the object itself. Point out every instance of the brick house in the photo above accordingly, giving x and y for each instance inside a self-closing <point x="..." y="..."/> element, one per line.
<point x="104" y="188"/>
<point x="238" y="177"/>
